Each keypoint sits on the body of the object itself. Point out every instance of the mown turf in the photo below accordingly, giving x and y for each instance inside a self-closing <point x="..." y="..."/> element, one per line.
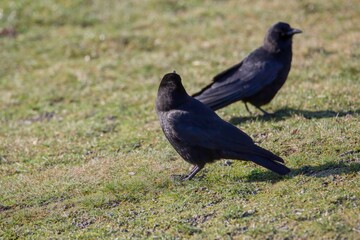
<point x="81" y="151"/>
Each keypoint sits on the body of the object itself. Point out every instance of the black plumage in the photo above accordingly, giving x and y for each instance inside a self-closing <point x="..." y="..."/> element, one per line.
<point x="256" y="79"/>
<point x="200" y="136"/>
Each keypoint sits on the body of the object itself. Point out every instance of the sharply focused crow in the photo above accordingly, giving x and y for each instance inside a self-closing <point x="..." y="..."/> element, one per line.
<point x="200" y="136"/>
<point x="258" y="77"/>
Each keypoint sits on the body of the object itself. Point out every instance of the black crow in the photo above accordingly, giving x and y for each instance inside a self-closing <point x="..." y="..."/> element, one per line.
<point x="200" y="136"/>
<point x="258" y="77"/>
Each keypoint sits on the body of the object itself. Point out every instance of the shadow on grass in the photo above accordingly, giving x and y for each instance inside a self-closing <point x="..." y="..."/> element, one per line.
<point x="284" y="113"/>
<point x="325" y="170"/>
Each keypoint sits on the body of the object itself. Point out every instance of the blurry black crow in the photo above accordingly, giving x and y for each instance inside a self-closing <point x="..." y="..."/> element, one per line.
<point x="200" y="136"/>
<point x="258" y="77"/>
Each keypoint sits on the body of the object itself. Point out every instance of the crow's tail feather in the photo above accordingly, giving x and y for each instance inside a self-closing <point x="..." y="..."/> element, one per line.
<point x="271" y="165"/>
<point x="261" y="157"/>
<point x="267" y="154"/>
<point x="215" y="102"/>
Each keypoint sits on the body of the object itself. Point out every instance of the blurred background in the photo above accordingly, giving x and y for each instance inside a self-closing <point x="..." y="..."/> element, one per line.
<point x="80" y="142"/>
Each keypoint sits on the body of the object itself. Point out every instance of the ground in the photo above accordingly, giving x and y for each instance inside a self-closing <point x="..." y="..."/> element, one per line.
<point x="82" y="154"/>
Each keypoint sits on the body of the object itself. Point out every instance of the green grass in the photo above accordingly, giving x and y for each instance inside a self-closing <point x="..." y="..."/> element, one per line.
<point x="81" y="150"/>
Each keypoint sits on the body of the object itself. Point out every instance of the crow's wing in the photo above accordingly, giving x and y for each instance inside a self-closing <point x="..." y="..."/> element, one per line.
<point x="208" y="131"/>
<point x="198" y="126"/>
<point x="237" y="83"/>
<point x="220" y="77"/>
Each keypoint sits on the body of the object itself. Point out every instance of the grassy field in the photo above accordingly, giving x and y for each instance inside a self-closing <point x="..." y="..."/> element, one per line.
<point x="81" y="150"/>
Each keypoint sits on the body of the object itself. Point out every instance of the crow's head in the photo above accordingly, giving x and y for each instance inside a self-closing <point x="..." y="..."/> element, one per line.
<point x="279" y="36"/>
<point x="171" y="92"/>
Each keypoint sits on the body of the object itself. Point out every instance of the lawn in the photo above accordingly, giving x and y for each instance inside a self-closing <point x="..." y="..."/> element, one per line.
<point x="82" y="154"/>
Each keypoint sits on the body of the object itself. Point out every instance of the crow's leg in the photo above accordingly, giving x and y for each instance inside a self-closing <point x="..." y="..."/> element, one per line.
<point x="193" y="172"/>
<point x="247" y="108"/>
<point x="262" y="110"/>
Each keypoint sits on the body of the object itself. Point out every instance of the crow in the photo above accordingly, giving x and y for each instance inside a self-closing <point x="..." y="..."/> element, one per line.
<point x="256" y="79"/>
<point x="200" y="136"/>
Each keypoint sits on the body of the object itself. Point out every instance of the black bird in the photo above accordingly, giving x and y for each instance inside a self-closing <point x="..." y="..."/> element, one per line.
<point x="258" y="77"/>
<point x="200" y="136"/>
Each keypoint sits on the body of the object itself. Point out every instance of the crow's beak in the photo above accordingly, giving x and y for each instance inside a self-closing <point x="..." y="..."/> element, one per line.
<point x="293" y="31"/>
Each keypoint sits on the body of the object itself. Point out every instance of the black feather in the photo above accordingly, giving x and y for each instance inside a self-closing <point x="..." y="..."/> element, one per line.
<point x="258" y="77"/>
<point x="200" y="136"/>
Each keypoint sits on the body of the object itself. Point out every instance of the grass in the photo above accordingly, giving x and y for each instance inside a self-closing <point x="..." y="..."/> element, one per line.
<point x="81" y="151"/>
